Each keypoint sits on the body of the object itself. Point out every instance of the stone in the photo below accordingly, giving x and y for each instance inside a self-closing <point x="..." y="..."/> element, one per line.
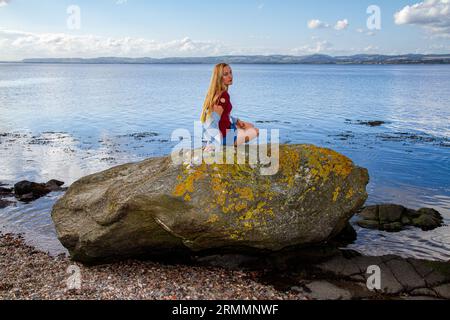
<point x="54" y="185"/>
<point x="394" y="218"/>
<point x="340" y="266"/>
<point x="424" y="292"/>
<point x="406" y="274"/>
<point x="26" y="188"/>
<point x="368" y="224"/>
<point x="5" y="203"/>
<point x="370" y="213"/>
<point x="389" y="284"/>
<point x="6" y="191"/>
<point x="30" y="191"/>
<point x="428" y="219"/>
<point x="390" y="213"/>
<point x="443" y="291"/>
<point x="392" y="227"/>
<point x="155" y="206"/>
<point x="324" y="290"/>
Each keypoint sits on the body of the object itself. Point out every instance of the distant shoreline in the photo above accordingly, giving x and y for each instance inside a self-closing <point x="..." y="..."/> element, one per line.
<point x="315" y="59"/>
<point x="262" y="64"/>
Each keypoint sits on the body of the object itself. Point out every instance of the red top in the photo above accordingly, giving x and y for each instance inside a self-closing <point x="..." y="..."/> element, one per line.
<point x="225" y="122"/>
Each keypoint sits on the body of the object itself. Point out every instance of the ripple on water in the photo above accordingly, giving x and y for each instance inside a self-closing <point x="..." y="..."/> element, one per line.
<point x="33" y="220"/>
<point x="412" y="242"/>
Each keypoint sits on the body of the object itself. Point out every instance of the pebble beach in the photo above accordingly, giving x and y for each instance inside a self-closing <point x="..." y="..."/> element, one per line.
<point x="30" y="274"/>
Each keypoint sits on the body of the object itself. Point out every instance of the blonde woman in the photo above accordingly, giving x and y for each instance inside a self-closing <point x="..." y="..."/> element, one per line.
<point x="216" y="113"/>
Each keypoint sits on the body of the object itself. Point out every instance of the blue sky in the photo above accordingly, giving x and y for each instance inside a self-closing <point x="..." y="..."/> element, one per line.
<point x="39" y="28"/>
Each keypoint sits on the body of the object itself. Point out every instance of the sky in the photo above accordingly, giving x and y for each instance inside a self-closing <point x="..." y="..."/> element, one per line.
<point x="200" y="28"/>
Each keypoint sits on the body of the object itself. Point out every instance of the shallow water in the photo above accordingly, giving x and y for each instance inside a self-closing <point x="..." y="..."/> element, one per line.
<point x="66" y="121"/>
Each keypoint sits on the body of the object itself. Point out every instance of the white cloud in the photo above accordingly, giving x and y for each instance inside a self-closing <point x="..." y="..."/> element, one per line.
<point x="341" y="25"/>
<point x="4" y="2"/>
<point x="16" y="45"/>
<point x="317" y="24"/>
<point x="433" y="15"/>
<point x="371" y="48"/>
<point x="318" y="47"/>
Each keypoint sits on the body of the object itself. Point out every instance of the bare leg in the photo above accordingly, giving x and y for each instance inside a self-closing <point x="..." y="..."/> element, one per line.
<point x="247" y="135"/>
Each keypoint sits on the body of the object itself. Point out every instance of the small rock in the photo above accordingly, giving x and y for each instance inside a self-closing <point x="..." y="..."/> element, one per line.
<point x="323" y="290"/>
<point x="54" y="185"/>
<point x="394" y="218"/>
<point x="6" y="191"/>
<point x="429" y="219"/>
<point x="29" y="191"/>
<point x="390" y="212"/>
<point x="5" y="203"/>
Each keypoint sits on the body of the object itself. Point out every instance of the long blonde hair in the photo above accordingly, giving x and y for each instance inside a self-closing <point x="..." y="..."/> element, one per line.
<point x="215" y="90"/>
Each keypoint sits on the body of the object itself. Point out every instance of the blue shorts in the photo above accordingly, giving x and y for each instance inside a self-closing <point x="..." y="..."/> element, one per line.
<point x="232" y="134"/>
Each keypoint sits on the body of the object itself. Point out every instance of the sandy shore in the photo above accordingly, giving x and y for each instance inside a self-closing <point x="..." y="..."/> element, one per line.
<point x="26" y="273"/>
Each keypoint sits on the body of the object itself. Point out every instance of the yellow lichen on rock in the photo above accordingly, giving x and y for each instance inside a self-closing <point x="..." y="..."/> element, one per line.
<point x="336" y="194"/>
<point x="323" y="162"/>
<point x="213" y="219"/>
<point x="238" y="191"/>
<point x="234" y="191"/>
<point x="289" y="164"/>
<point x="349" y="194"/>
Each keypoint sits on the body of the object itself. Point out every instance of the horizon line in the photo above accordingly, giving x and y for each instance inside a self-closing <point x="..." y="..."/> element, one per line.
<point x="29" y="60"/>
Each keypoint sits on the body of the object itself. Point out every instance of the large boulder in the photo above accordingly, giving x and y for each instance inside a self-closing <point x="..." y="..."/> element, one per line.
<point x="157" y="206"/>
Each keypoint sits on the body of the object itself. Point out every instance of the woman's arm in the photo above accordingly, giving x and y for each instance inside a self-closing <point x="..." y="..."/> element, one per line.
<point x="218" y="109"/>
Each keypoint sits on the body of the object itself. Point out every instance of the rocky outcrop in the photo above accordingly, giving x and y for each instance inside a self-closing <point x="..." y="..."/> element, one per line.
<point x="392" y="218"/>
<point x="348" y="276"/>
<point x="29" y="191"/>
<point x="156" y="206"/>
<point x="326" y="273"/>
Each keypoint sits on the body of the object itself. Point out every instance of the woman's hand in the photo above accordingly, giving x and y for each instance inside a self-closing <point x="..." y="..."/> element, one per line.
<point x="218" y="109"/>
<point x="241" y="124"/>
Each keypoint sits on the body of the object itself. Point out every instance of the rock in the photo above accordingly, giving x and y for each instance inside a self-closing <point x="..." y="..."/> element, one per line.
<point x="393" y="218"/>
<point x="29" y="191"/>
<point x="390" y="213"/>
<point x="428" y="219"/>
<point x="347" y="236"/>
<point x="5" y="203"/>
<point x="6" y="191"/>
<point x="423" y="292"/>
<point x="26" y="190"/>
<point x="375" y="123"/>
<point x="156" y="206"/>
<point x="323" y="290"/>
<point x="443" y="291"/>
<point x="393" y="227"/>
<point x="54" y="185"/>
<point x="406" y="274"/>
<point x="398" y="277"/>
<point x="371" y="123"/>
<point x="368" y="224"/>
<point x="370" y="213"/>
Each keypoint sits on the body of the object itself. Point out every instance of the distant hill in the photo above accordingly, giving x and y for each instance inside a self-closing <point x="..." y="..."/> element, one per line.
<point x="259" y="59"/>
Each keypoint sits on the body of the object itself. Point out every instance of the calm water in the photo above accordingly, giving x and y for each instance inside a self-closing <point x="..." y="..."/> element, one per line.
<point x="66" y="121"/>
